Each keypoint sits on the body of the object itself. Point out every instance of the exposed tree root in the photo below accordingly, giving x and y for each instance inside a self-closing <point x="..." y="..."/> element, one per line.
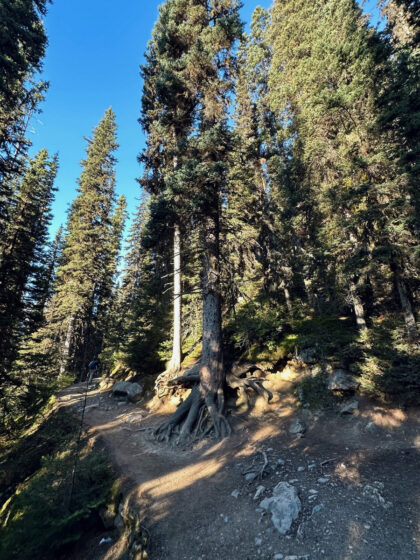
<point x="202" y="414"/>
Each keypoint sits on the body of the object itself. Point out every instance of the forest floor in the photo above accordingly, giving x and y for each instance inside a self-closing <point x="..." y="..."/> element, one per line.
<point x="357" y="477"/>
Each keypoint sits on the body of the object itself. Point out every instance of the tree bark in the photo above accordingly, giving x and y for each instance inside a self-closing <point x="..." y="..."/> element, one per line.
<point x="212" y="375"/>
<point x="175" y="363"/>
<point x="358" y="308"/>
<point x="407" y="309"/>
<point x="67" y="346"/>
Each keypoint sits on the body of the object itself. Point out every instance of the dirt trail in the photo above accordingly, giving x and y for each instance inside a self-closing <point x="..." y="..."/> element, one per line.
<point x="358" y="479"/>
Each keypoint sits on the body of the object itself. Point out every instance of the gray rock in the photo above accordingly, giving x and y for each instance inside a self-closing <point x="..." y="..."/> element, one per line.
<point x="278" y="556"/>
<point x="132" y="391"/>
<point x="235" y="494"/>
<point x="251" y="476"/>
<point x="260" y="490"/>
<point x="340" y="380"/>
<point x="300" y="469"/>
<point x="284" y="506"/>
<point x="371" y="427"/>
<point x="317" y="508"/>
<point x="258" y="541"/>
<point x="297" y="427"/>
<point x="118" y="522"/>
<point x="307" y="355"/>
<point x="323" y="479"/>
<point x="349" y="406"/>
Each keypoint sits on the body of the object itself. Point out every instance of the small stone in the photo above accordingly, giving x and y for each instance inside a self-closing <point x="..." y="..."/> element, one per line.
<point x="312" y="491"/>
<point x="249" y="477"/>
<point x="371" y="427"/>
<point x="349" y="407"/>
<point x="301" y="469"/>
<point x="297" y="427"/>
<point x="260" y="490"/>
<point x="119" y="523"/>
<point x="258" y="541"/>
<point x="293" y="480"/>
<point x="235" y="494"/>
<point x="311" y="466"/>
<point x="317" y="508"/>
<point x="323" y="479"/>
<point x="278" y="556"/>
<point x="280" y="462"/>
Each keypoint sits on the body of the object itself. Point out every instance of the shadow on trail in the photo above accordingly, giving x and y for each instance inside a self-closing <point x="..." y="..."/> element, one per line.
<point x="196" y="502"/>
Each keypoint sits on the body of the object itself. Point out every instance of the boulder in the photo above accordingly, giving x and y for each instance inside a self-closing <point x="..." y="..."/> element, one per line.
<point x="340" y="380"/>
<point x="132" y="391"/>
<point x="284" y="506"/>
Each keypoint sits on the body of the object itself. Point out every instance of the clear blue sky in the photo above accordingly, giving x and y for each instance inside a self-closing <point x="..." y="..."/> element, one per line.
<point x="92" y="63"/>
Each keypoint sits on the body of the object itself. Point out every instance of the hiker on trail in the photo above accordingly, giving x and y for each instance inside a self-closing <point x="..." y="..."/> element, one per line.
<point x="93" y="369"/>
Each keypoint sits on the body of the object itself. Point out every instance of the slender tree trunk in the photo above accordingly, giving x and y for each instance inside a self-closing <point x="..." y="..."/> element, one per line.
<point x="212" y="374"/>
<point x="288" y="300"/>
<point x="175" y="362"/>
<point x="407" y="309"/>
<point x="65" y="354"/>
<point x="358" y="308"/>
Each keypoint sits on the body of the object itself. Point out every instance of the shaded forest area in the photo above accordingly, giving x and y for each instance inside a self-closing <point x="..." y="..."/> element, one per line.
<point x="280" y="208"/>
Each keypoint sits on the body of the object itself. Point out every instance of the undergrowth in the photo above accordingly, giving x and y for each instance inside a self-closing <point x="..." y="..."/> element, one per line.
<point x="384" y="360"/>
<point x="41" y="515"/>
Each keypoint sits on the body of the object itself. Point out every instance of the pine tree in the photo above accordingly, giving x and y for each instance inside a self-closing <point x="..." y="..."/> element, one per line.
<point x="327" y="94"/>
<point x="168" y="106"/>
<point x="22" y="46"/>
<point x="88" y="262"/>
<point x="201" y="182"/>
<point x="20" y="256"/>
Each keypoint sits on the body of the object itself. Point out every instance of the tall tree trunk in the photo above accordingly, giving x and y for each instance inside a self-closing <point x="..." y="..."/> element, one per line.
<point x="175" y="362"/>
<point x="358" y="308"/>
<point x="65" y="354"/>
<point x="212" y="375"/>
<point x="407" y="308"/>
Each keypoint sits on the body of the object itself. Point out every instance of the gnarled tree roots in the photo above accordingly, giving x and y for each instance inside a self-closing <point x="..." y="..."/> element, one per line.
<point x="201" y="415"/>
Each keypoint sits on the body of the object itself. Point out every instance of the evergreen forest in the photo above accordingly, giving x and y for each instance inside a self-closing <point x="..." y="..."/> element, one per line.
<point x="279" y="212"/>
<point x="279" y="205"/>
